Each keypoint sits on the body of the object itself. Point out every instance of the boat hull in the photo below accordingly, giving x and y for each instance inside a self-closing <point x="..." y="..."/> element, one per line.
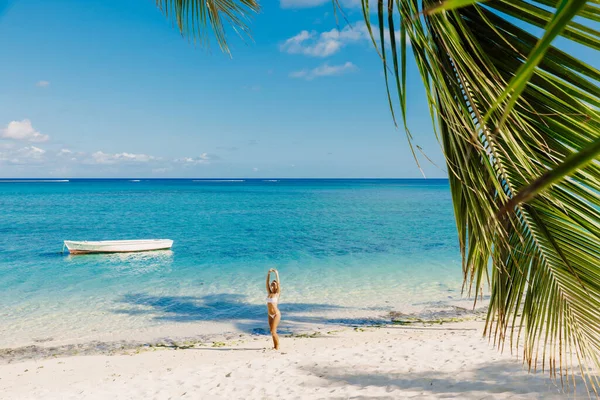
<point x="117" y="246"/>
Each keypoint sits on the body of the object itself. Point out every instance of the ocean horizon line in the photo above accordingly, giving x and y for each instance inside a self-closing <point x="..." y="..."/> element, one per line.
<point x="66" y="179"/>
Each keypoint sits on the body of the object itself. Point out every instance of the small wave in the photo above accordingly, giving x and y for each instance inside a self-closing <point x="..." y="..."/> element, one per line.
<point x="270" y="180"/>
<point x="33" y="180"/>
<point x="134" y="180"/>
<point x="219" y="180"/>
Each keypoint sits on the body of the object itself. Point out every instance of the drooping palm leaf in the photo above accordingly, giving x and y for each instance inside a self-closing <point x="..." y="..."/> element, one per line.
<point x="544" y="254"/>
<point x="196" y="19"/>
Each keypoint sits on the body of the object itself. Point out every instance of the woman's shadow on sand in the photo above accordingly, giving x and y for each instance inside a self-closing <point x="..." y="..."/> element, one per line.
<point x="227" y="307"/>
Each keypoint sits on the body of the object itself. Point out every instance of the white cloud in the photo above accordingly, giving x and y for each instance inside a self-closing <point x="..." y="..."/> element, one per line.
<point x="34" y="152"/>
<point x="330" y="42"/>
<point x="24" y="155"/>
<point x="324" y="70"/>
<point x="22" y="130"/>
<point x="309" y="44"/>
<point x="100" y="157"/>
<point x="203" y="158"/>
<point x="81" y="162"/>
<point x="43" y="84"/>
<point x="303" y="73"/>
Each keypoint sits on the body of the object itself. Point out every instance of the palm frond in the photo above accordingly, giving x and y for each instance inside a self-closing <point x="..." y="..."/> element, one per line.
<point x="511" y="110"/>
<point x="195" y="19"/>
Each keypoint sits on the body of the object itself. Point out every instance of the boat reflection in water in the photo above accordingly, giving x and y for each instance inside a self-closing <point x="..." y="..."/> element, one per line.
<point x="126" y="263"/>
<point x="135" y="257"/>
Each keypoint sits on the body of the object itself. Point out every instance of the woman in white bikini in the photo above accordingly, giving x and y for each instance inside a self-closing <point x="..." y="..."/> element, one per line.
<point x="273" y="292"/>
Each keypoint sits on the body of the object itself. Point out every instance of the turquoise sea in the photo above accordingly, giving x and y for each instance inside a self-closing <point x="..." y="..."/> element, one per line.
<point x="349" y="251"/>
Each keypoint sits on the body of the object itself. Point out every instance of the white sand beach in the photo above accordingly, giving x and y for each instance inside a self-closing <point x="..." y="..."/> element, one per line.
<point x="452" y="360"/>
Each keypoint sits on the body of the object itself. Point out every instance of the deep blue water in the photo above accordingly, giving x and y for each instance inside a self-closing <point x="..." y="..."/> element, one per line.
<point x="345" y="248"/>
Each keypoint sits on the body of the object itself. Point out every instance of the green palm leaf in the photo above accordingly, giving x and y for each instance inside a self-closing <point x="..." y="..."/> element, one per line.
<point x="518" y="120"/>
<point x="196" y="18"/>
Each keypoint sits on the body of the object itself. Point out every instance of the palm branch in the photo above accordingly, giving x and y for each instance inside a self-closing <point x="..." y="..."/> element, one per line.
<point x="195" y="19"/>
<point x="518" y="121"/>
<point x="519" y="124"/>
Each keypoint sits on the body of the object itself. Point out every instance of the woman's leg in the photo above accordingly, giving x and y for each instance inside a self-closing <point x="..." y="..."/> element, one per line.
<point x="274" y="323"/>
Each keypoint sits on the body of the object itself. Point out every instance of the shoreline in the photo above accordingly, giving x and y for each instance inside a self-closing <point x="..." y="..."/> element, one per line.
<point x="185" y="335"/>
<point x="418" y="360"/>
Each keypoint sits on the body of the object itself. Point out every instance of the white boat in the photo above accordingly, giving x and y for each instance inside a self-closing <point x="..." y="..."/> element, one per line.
<point x="117" y="246"/>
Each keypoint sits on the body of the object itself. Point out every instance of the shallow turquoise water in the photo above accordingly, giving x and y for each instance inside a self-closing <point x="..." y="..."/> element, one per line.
<point x="347" y="250"/>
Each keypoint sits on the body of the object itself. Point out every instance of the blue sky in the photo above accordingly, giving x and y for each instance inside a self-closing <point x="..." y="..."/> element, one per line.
<point x="107" y="88"/>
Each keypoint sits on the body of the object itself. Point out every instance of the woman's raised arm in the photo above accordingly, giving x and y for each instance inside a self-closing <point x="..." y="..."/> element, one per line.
<point x="278" y="281"/>
<point x="268" y="279"/>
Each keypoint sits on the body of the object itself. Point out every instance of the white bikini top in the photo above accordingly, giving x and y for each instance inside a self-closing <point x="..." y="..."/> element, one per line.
<point x="272" y="300"/>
